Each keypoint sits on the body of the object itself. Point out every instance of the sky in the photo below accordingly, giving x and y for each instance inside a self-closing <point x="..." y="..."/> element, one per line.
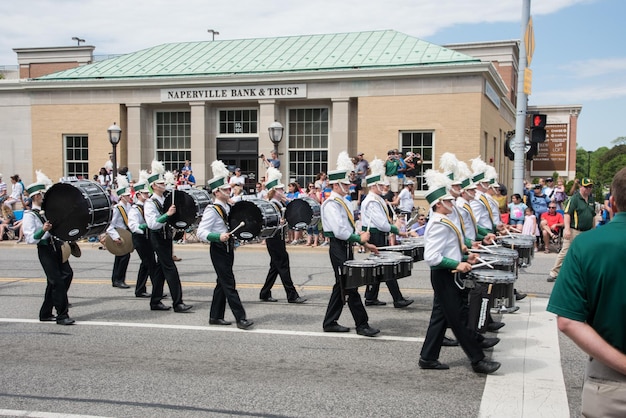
<point x="579" y="57"/>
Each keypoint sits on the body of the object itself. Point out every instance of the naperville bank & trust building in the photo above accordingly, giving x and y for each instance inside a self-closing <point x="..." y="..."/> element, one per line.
<point x="200" y="101"/>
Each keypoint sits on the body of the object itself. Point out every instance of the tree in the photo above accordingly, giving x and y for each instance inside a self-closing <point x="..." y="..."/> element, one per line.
<point x="620" y="140"/>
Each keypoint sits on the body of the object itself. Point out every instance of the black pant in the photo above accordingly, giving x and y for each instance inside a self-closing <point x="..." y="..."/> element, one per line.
<point x="339" y="252"/>
<point x="279" y="265"/>
<point x="141" y="242"/>
<point x="165" y="270"/>
<point x="223" y="257"/>
<point x="448" y="306"/>
<point x="58" y="277"/>
<point x="379" y="239"/>
<point x="120" y="265"/>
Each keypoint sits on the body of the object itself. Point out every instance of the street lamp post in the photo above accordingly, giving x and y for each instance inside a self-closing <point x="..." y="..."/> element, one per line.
<point x="588" y="163"/>
<point x="115" y="134"/>
<point x="276" y="134"/>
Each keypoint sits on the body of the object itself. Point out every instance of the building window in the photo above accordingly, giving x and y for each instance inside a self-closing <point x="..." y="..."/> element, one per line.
<point x="419" y="143"/>
<point x="77" y="156"/>
<point x="173" y="139"/>
<point x="307" y="143"/>
<point x="238" y="122"/>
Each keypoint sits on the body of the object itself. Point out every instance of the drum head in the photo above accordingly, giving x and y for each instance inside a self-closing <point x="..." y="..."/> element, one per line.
<point x="298" y="214"/>
<point x="67" y="210"/>
<point x="246" y="211"/>
<point x="186" y="211"/>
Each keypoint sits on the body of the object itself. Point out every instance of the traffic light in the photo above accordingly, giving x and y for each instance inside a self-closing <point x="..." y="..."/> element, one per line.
<point x="508" y="151"/>
<point x="537" y="127"/>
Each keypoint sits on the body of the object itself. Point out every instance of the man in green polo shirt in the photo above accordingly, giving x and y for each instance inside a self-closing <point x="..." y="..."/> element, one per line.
<point x="578" y="217"/>
<point x="588" y="299"/>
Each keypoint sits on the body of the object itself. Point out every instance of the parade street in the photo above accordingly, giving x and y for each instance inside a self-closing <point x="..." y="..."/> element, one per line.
<point x="122" y="360"/>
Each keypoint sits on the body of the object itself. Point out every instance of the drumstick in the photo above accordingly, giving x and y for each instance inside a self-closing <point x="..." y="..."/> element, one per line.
<point x="485" y="248"/>
<point x="241" y="224"/>
<point x="483" y="263"/>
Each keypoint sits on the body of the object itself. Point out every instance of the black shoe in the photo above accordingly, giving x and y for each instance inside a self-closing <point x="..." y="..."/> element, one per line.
<point x="269" y="299"/>
<point x="218" y="321"/>
<point x="65" y="321"/>
<point x="336" y="328"/>
<point x="50" y="318"/>
<point x="143" y="295"/>
<point x="432" y="365"/>
<point x="298" y="300"/>
<point x="449" y="342"/>
<point x="489" y="342"/>
<point x="403" y="303"/>
<point x="121" y="285"/>
<point x="486" y="366"/>
<point x="494" y="326"/>
<point x="160" y="307"/>
<point x="244" y="324"/>
<point x="551" y="279"/>
<point x="181" y="307"/>
<point x="519" y="296"/>
<point x="374" y="302"/>
<point x="367" y="331"/>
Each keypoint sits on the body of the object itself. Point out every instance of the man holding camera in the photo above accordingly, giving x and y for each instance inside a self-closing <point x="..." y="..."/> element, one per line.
<point x="271" y="162"/>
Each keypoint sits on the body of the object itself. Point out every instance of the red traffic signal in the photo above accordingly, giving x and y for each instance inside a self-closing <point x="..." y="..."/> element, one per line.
<point x="538" y="121"/>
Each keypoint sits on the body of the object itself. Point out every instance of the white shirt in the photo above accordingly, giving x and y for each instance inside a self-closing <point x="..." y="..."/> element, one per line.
<point x="466" y="217"/>
<point x="17" y="191"/>
<point x="374" y="213"/>
<point x="135" y="218"/>
<point x="117" y="221"/>
<point x="405" y="204"/>
<point x="480" y="212"/>
<point x="212" y="221"/>
<point x="335" y="218"/>
<point x="152" y="213"/>
<point x="440" y="241"/>
<point x="31" y="224"/>
<point x="237" y="180"/>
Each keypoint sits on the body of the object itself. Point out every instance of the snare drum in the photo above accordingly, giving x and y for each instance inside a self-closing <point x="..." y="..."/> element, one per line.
<point x="503" y="285"/>
<point x="524" y="248"/>
<point x="406" y="262"/>
<point x="77" y="209"/>
<point x="408" y="250"/>
<point x="190" y="205"/>
<point x="261" y="218"/>
<point x="360" y="273"/>
<point x="389" y="269"/>
<point x="302" y="213"/>
<point x="499" y="262"/>
<point x="418" y="244"/>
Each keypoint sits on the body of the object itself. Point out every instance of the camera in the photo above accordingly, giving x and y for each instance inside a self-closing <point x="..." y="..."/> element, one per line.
<point x="262" y="156"/>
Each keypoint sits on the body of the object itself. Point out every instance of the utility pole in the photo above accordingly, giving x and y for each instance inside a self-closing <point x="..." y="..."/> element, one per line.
<point x="527" y="47"/>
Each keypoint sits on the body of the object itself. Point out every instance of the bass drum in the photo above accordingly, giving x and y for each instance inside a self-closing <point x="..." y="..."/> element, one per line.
<point x="302" y="213"/>
<point x="190" y="205"/>
<point x="261" y="219"/>
<point x="77" y="209"/>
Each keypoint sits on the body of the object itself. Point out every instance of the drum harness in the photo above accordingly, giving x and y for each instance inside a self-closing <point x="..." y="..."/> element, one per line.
<point x="140" y="209"/>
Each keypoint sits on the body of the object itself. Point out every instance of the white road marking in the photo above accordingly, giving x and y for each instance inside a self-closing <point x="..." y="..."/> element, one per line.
<point x="221" y="328"/>
<point x="39" y="414"/>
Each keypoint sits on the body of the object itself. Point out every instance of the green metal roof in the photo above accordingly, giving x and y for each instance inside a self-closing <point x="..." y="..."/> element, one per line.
<point x="331" y="52"/>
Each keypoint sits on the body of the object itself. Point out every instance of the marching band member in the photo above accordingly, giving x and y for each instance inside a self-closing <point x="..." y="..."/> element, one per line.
<point x="141" y="240"/>
<point x="120" y="220"/>
<point x="213" y="228"/>
<point x="444" y="252"/>
<point x="377" y="218"/>
<point x="276" y="247"/>
<point x="338" y="221"/>
<point x="161" y="239"/>
<point x="58" y="272"/>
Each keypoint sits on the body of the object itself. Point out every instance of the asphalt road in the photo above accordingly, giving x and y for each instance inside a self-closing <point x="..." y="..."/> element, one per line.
<point x="121" y="359"/>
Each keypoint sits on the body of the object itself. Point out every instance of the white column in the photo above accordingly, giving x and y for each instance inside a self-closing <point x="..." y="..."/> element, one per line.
<point x="134" y="114"/>
<point x="339" y="130"/>
<point x="199" y="143"/>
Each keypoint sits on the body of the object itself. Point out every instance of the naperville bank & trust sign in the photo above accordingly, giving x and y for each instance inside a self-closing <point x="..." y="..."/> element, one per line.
<point x="290" y="91"/>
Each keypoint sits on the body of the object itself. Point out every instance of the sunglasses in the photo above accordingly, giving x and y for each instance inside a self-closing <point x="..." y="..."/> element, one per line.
<point x="551" y="207"/>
